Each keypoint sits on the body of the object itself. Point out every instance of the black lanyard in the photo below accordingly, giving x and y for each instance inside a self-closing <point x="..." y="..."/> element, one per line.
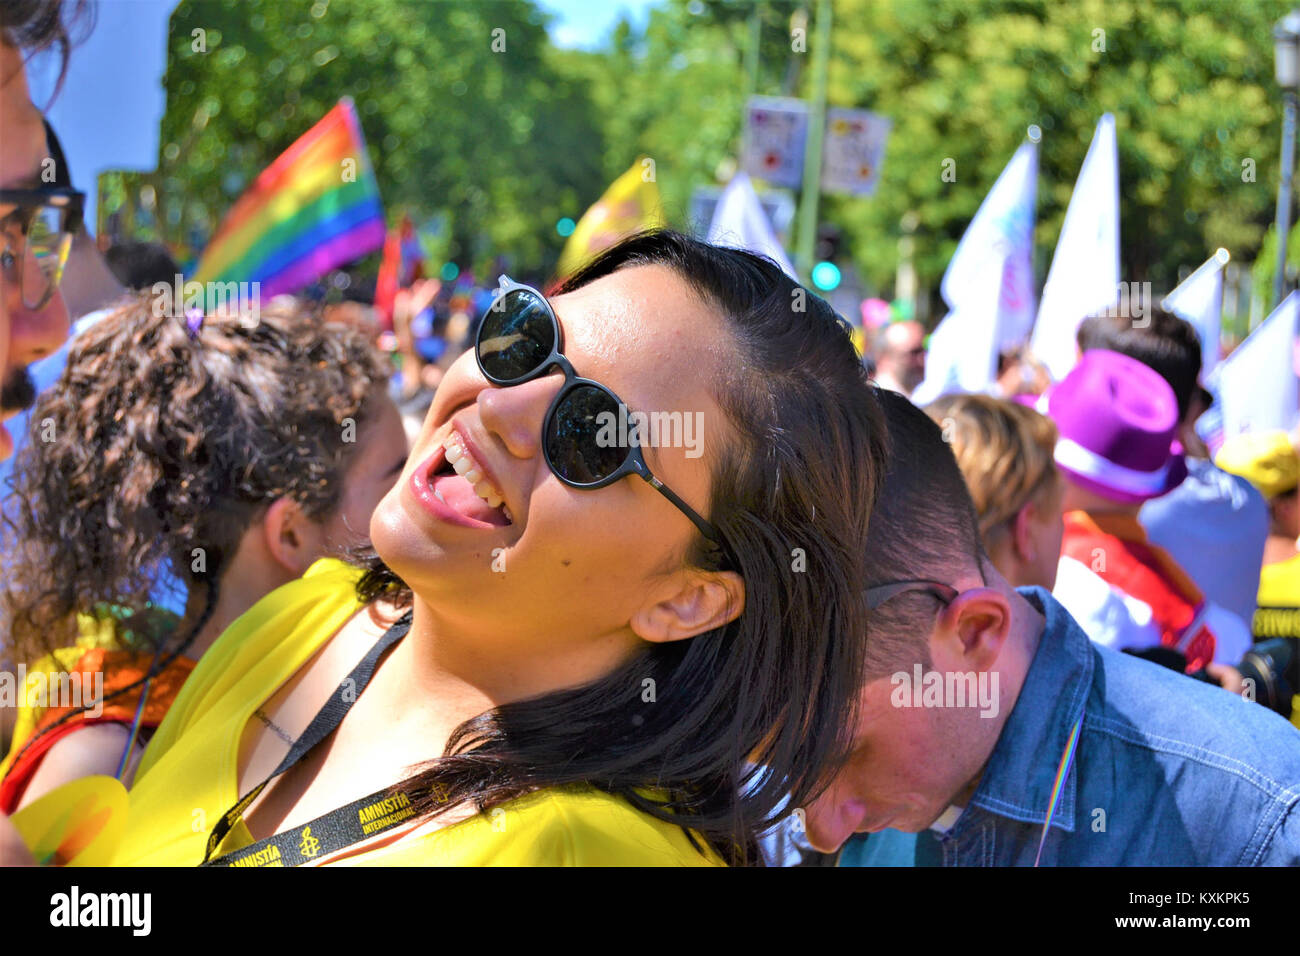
<point x="342" y="826"/>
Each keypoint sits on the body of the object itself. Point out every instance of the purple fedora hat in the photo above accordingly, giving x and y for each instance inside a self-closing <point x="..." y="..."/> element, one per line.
<point x="1117" y="420"/>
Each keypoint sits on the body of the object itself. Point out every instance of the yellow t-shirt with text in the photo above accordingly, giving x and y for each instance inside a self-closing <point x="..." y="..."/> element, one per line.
<point x="188" y="776"/>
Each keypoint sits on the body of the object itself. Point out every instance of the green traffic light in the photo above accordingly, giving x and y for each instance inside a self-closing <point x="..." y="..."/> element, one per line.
<point x="826" y="276"/>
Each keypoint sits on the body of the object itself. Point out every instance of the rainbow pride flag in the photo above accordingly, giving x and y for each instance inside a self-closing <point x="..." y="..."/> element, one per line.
<point x="313" y="209"/>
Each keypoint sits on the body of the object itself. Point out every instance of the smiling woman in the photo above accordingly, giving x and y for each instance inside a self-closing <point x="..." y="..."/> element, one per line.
<point x="560" y="652"/>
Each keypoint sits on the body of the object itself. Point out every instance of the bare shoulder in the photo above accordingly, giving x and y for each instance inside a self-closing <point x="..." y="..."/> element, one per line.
<point x="89" y="751"/>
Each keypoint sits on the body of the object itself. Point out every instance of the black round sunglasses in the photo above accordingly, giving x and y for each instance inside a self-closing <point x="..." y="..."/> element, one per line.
<point x="520" y="339"/>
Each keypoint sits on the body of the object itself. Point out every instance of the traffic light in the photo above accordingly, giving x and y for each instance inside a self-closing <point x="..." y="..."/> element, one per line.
<point x="825" y="273"/>
<point x="829" y="239"/>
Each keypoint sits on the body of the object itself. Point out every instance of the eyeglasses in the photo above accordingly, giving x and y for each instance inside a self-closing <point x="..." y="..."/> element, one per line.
<point x="37" y="239"/>
<point x="880" y="593"/>
<point x="519" y="340"/>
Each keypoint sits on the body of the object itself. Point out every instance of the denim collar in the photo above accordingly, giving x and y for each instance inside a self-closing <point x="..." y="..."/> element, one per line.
<point x="1018" y="778"/>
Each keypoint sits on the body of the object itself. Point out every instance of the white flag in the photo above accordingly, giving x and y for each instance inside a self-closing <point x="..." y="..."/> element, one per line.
<point x="1199" y="300"/>
<point x="1257" y="384"/>
<point x="963" y="351"/>
<point x="1084" y="277"/>
<point x="989" y="285"/>
<point x="739" y="221"/>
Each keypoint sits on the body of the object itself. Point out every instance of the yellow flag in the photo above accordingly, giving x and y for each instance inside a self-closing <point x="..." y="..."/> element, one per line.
<point x="629" y="205"/>
<point x="78" y="824"/>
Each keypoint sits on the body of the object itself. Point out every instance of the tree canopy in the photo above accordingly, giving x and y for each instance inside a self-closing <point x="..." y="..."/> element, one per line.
<point x="502" y="140"/>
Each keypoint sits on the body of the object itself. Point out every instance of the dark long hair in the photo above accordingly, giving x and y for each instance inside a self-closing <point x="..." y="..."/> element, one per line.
<point x="777" y="686"/>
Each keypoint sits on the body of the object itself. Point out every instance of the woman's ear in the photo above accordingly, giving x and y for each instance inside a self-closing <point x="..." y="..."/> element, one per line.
<point x="705" y="600"/>
<point x="1022" y="533"/>
<point x="292" y="539"/>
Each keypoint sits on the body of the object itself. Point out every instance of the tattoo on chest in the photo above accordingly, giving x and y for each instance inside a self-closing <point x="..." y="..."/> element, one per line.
<point x="274" y="727"/>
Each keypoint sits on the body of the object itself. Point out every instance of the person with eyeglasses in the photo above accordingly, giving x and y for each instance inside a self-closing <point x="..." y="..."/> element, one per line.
<point x="39" y="213"/>
<point x="1087" y="756"/>
<point x="573" y="643"/>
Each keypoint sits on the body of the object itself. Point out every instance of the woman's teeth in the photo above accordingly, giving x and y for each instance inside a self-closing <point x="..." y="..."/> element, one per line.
<point x="464" y="464"/>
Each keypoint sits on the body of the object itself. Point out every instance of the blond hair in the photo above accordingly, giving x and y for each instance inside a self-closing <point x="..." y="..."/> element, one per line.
<point x="1004" y="450"/>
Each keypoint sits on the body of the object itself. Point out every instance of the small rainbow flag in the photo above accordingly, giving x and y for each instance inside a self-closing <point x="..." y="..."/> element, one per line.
<point x="316" y="207"/>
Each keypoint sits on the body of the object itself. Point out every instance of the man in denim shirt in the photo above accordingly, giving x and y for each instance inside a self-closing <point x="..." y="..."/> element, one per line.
<point x="972" y="697"/>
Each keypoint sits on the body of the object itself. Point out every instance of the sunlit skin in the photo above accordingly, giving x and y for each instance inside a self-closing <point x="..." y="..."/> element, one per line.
<point x="1028" y="552"/>
<point x="646" y="336"/>
<point x="908" y="765"/>
<point x="580" y="582"/>
<point x="25" y="336"/>
<point x="900" y="363"/>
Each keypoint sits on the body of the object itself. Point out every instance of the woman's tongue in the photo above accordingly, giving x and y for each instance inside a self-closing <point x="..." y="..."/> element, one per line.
<point x="459" y="495"/>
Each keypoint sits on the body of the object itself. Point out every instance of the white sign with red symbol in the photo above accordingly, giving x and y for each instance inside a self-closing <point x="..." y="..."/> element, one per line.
<point x="853" y="150"/>
<point x="776" y="129"/>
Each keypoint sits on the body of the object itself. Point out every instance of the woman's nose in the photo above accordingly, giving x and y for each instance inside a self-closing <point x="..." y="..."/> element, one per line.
<point x="514" y="413"/>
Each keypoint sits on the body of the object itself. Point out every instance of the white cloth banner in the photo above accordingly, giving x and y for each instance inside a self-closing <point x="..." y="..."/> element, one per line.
<point x="739" y="221"/>
<point x="989" y="285"/>
<point x="1256" y="384"/>
<point x="1199" y="300"/>
<point x="963" y="349"/>
<point x="1084" y="277"/>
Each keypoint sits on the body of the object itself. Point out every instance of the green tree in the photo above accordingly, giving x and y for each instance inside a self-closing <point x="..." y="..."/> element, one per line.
<point x="463" y="108"/>
<point x="1189" y="81"/>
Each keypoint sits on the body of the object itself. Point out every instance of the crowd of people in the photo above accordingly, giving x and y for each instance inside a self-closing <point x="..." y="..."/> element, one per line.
<point x="387" y="596"/>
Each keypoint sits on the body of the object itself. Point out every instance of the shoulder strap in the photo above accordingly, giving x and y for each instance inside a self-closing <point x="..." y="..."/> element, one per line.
<point x="321" y="726"/>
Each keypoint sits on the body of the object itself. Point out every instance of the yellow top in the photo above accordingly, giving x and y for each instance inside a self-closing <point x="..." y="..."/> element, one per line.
<point x="1279" y="584"/>
<point x="188" y="777"/>
<point x="1278" y="613"/>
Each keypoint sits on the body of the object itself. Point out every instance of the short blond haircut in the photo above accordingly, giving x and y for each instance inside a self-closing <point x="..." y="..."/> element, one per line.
<point x="1004" y="450"/>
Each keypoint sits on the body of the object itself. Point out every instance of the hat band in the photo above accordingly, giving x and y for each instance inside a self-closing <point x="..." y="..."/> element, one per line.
<point x="1070" y="454"/>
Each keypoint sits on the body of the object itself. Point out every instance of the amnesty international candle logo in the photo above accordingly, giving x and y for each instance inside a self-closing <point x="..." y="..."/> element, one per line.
<point x="309" y="846"/>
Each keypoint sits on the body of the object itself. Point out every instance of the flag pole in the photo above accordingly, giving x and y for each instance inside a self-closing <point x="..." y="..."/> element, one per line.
<point x="812" y="158"/>
<point x="751" y="54"/>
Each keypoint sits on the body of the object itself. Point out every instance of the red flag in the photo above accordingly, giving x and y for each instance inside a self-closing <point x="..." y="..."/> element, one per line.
<point x="402" y="264"/>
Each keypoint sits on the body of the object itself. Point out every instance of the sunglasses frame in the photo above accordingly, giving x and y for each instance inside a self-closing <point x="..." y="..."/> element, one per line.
<point x="878" y="594"/>
<point x="72" y="203"/>
<point x="634" y="463"/>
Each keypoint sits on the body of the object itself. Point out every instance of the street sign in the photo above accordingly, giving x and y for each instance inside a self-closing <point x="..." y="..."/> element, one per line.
<point x="853" y="151"/>
<point x="776" y="129"/>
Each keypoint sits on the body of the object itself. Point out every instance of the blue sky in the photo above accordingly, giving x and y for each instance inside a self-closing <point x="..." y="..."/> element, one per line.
<point x="583" y="24"/>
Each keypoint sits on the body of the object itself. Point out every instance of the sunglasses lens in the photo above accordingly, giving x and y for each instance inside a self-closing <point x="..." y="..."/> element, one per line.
<point x="517" y="335"/>
<point x="582" y="437"/>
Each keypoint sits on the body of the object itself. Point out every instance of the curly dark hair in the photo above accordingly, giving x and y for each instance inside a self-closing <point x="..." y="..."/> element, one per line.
<point x="156" y="442"/>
